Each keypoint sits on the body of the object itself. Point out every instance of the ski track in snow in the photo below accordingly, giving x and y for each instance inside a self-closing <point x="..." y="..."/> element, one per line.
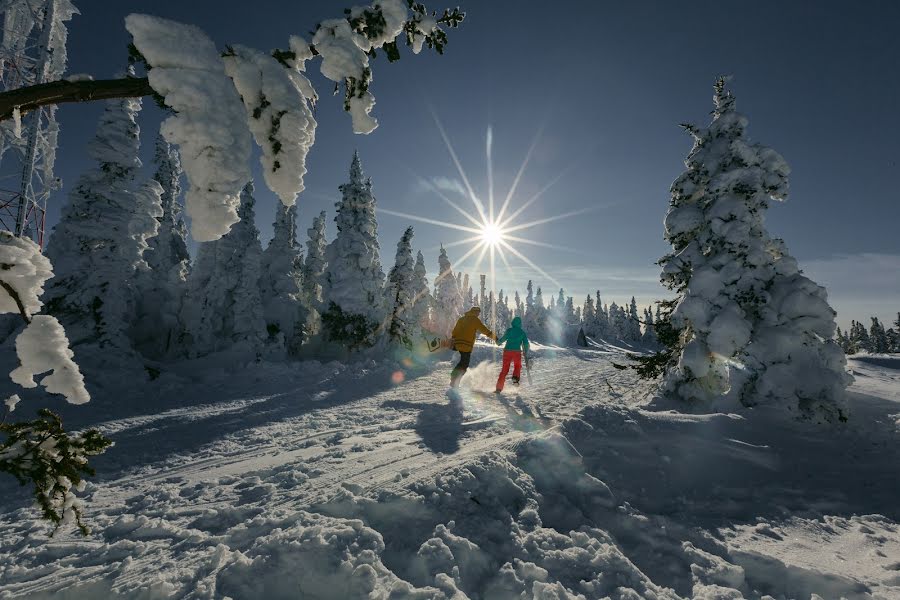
<point x="267" y="486"/>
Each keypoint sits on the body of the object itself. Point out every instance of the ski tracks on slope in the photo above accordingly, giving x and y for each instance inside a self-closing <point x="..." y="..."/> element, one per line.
<point x="162" y="525"/>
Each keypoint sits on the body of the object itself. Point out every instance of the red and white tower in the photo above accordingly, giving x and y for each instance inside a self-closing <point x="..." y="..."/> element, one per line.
<point x="32" y="51"/>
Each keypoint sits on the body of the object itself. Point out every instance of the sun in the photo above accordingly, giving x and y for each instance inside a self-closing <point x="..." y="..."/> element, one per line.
<point x="492" y="232"/>
<point x="492" y="235"/>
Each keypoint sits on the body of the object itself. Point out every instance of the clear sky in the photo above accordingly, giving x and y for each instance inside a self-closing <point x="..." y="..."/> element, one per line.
<point x="607" y="83"/>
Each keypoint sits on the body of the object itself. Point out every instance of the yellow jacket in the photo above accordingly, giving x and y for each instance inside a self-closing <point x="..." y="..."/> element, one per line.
<point x="468" y="326"/>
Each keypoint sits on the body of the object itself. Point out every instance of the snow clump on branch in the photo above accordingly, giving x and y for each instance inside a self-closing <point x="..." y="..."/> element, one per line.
<point x="209" y="125"/>
<point x="277" y="104"/>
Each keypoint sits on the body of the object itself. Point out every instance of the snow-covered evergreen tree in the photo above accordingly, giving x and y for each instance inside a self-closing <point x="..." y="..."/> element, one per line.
<point x="878" y="337"/>
<point x="539" y="319"/>
<point x="159" y="331"/>
<point x="400" y="294"/>
<point x="633" y="326"/>
<point x="589" y="317"/>
<point x="649" y="338"/>
<point x="280" y="283"/>
<point x="223" y="306"/>
<point x="423" y="299"/>
<point x="313" y="269"/>
<point x="755" y="329"/>
<point x="503" y="317"/>
<point x="618" y="325"/>
<point x="447" y="298"/>
<point x="353" y="281"/>
<point x="97" y="248"/>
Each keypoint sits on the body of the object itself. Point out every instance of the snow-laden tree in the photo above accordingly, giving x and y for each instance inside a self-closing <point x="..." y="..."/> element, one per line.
<point x="223" y="306"/>
<point x="313" y="269"/>
<point x="589" y="317"/>
<point x="520" y="308"/>
<point x="633" y="326"/>
<point x="649" y="337"/>
<point x="618" y="324"/>
<point x="755" y="330"/>
<point x="98" y="246"/>
<point x="503" y="317"/>
<point x="447" y="297"/>
<point x="353" y="281"/>
<point x="424" y="302"/>
<point x="401" y="295"/>
<point x="158" y="329"/>
<point x="878" y="339"/>
<point x="280" y="283"/>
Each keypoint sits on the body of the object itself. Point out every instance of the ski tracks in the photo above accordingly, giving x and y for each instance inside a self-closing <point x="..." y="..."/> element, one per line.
<point x="178" y="510"/>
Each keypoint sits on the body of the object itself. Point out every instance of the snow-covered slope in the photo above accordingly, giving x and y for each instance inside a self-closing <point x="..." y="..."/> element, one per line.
<point x="362" y="481"/>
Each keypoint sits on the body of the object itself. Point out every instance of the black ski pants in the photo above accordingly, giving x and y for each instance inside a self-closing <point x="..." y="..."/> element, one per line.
<point x="460" y="369"/>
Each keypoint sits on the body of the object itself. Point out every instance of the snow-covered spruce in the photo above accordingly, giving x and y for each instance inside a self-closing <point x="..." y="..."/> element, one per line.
<point x="223" y="308"/>
<point x="353" y="281"/>
<point x="158" y="330"/>
<point x="448" y="301"/>
<point x="280" y="282"/>
<point x="98" y="246"/>
<point x="313" y="269"/>
<point x="188" y="72"/>
<point x="401" y="295"/>
<point x="423" y="298"/>
<point x="755" y="329"/>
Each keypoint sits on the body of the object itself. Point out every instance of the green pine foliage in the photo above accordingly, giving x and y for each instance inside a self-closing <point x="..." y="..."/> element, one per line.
<point x="354" y="331"/>
<point x="42" y="453"/>
<point x="653" y="366"/>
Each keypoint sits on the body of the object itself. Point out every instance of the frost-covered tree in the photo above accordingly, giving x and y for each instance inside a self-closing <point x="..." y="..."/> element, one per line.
<point x="159" y="330"/>
<point x="878" y="338"/>
<point x="223" y="307"/>
<point x="503" y="317"/>
<point x="313" y="270"/>
<point x="618" y="323"/>
<point x="401" y="296"/>
<point x="353" y="282"/>
<point x="520" y="308"/>
<point x="755" y="330"/>
<point x="98" y="246"/>
<point x="447" y="298"/>
<point x="280" y="283"/>
<point x="589" y="316"/>
<point x="649" y="337"/>
<point x="424" y="301"/>
<point x="633" y="326"/>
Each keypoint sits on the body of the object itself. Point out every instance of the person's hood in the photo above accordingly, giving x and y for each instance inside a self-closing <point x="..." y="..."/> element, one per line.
<point x="473" y="312"/>
<point x="517" y="323"/>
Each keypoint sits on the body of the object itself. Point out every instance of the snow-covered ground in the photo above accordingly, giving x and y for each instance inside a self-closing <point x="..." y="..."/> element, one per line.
<point x="362" y="481"/>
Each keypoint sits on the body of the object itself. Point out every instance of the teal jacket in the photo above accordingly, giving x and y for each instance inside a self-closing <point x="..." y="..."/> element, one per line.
<point x="515" y="337"/>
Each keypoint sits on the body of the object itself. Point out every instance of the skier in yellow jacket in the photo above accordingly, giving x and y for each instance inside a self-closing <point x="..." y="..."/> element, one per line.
<point x="467" y="327"/>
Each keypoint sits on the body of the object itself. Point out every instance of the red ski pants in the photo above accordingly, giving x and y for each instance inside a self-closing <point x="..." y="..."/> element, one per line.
<point x="513" y="357"/>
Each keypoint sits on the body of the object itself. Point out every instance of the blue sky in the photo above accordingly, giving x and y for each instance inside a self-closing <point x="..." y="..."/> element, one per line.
<point x="607" y="83"/>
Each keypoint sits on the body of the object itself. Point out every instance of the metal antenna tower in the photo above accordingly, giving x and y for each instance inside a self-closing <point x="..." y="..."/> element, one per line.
<point x="32" y="51"/>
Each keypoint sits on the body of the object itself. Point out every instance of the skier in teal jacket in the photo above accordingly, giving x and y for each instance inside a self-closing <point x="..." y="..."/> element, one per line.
<point x="516" y="342"/>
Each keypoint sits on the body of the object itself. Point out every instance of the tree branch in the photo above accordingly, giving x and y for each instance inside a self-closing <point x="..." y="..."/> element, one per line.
<point x="12" y="292"/>
<point x="58" y="92"/>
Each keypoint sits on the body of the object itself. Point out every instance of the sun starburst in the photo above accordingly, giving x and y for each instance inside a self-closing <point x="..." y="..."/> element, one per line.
<point x="491" y="233"/>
